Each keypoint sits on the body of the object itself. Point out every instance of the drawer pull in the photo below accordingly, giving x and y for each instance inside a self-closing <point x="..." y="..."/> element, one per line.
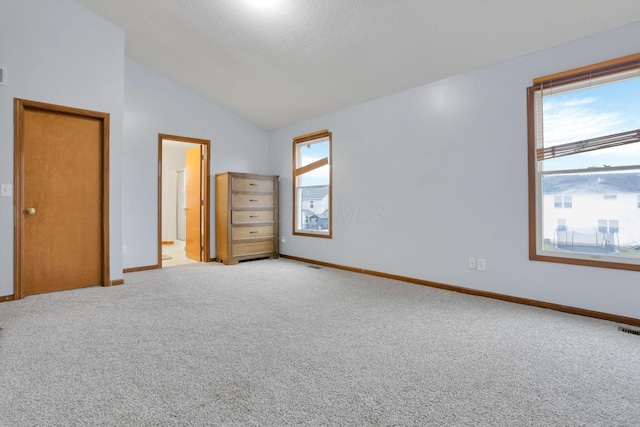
<point x="253" y="200"/>
<point x="253" y="184"/>
<point x="254" y="216"/>
<point x="253" y="232"/>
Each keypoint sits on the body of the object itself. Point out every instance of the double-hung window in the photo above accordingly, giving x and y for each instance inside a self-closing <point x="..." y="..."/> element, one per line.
<point x="312" y="184"/>
<point x="584" y="154"/>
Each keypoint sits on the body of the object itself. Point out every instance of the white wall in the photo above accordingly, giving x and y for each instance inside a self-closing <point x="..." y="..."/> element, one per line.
<point x="426" y="178"/>
<point x="173" y="160"/>
<point x="153" y="105"/>
<point x="58" y="52"/>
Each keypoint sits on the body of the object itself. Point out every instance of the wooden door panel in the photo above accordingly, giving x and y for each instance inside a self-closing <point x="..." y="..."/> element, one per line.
<point x="193" y="197"/>
<point x="62" y="242"/>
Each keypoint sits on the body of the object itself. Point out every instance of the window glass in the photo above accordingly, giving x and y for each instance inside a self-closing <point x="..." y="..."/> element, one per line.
<point x="312" y="182"/>
<point x="586" y="163"/>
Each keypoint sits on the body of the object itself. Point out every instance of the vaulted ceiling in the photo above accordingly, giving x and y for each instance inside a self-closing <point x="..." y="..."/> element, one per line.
<point x="277" y="62"/>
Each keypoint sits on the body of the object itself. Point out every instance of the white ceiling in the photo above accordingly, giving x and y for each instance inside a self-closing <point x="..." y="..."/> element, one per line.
<point x="277" y="66"/>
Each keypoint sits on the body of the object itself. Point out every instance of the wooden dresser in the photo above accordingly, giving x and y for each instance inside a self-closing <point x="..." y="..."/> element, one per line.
<point x="246" y="216"/>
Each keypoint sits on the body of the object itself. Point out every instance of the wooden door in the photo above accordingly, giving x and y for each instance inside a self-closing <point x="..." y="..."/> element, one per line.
<point x="62" y="198"/>
<point x="193" y="198"/>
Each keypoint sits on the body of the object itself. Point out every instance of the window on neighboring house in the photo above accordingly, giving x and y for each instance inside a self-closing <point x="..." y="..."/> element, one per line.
<point x="584" y="134"/>
<point x="312" y="184"/>
<point x="608" y="237"/>
<point x="603" y="226"/>
<point x="562" y="202"/>
<point x="557" y="201"/>
<point x="568" y="202"/>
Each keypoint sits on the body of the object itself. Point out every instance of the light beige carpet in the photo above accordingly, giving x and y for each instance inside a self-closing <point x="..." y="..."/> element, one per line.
<point x="276" y="343"/>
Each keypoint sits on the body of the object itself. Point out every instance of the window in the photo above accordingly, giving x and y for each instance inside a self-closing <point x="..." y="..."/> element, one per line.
<point x="312" y="184"/>
<point x="584" y="139"/>
<point x="557" y="201"/>
<point x="562" y="201"/>
<point x="568" y="202"/>
<point x="608" y="235"/>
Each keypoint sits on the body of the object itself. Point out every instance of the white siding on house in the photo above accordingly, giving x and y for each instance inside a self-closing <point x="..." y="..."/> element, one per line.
<point x="587" y="209"/>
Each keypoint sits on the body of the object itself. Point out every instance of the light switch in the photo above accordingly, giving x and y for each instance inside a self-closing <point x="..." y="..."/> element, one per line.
<point x="6" y="190"/>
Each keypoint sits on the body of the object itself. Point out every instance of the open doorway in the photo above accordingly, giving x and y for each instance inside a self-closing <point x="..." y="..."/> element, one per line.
<point x="183" y="200"/>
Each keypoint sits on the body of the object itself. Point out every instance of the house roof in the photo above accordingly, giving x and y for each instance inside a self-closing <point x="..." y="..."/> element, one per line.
<point x="315" y="57"/>
<point x="592" y="183"/>
<point x="315" y="193"/>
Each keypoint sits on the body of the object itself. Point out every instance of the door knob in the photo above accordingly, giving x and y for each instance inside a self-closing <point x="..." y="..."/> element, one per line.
<point x="30" y="211"/>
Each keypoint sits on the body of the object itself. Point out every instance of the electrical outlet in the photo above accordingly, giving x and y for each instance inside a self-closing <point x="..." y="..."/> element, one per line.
<point x="472" y="263"/>
<point x="282" y="240"/>
<point x="124" y="249"/>
<point x="482" y="264"/>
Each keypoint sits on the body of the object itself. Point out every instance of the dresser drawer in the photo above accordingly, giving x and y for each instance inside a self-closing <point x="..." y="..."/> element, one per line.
<point x="252" y="200"/>
<point x="252" y="248"/>
<point x="252" y="184"/>
<point x="248" y="217"/>
<point x="259" y="231"/>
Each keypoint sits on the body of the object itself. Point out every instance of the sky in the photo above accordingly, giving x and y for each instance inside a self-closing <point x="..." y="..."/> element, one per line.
<point x="592" y="112"/>
<point x="310" y="154"/>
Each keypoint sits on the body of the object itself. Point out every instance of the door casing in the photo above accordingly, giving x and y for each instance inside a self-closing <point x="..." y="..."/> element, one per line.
<point x="205" y="190"/>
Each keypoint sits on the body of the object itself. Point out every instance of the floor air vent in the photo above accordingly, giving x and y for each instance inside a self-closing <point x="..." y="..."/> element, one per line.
<point x="317" y="267"/>
<point x="629" y="330"/>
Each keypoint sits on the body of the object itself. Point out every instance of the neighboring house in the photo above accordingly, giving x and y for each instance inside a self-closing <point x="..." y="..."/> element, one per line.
<point x="592" y="210"/>
<point x="315" y="199"/>
<point x="315" y="208"/>
<point x="314" y="221"/>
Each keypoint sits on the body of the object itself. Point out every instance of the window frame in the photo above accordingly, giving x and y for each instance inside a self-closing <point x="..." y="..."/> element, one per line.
<point x="536" y="201"/>
<point x="310" y="138"/>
